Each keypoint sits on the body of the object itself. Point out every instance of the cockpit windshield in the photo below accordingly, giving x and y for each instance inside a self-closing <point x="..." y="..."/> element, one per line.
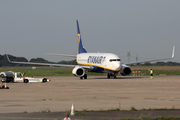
<point x="111" y="60"/>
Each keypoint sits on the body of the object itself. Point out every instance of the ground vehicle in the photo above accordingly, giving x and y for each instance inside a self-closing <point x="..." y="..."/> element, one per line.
<point x="7" y="76"/>
<point x="18" y="77"/>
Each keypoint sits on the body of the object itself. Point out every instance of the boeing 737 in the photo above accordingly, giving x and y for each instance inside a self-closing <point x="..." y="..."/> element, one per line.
<point x="95" y="62"/>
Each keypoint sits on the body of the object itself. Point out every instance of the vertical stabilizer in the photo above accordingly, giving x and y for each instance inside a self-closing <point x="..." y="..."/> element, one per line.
<point x="80" y="46"/>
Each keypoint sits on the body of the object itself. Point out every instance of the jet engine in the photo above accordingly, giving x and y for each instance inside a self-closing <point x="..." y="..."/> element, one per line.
<point x="125" y="70"/>
<point x="78" y="71"/>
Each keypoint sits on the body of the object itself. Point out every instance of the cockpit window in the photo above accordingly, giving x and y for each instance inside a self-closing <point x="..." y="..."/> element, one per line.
<point x="114" y="60"/>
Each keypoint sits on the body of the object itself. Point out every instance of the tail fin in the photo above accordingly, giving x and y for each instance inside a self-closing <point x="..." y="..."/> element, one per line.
<point x="80" y="46"/>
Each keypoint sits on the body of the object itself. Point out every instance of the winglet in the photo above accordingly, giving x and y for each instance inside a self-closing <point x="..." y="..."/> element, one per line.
<point x="173" y="51"/>
<point x="80" y="46"/>
<point x="7" y="57"/>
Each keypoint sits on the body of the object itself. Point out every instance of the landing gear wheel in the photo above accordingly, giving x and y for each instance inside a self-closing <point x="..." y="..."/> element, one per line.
<point x="108" y="75"/>
<point x="85" y="76"/>
<point x="44" y="80"/>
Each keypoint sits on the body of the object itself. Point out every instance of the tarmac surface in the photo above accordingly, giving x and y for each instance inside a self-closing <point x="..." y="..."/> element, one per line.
<point x="51" y="100"/>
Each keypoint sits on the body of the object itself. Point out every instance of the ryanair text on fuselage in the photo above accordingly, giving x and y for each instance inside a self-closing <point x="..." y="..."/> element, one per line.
<point x="96" y="59"/>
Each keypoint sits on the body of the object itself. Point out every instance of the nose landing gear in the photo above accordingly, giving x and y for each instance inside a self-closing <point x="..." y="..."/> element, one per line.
<point x="111" y="75"/>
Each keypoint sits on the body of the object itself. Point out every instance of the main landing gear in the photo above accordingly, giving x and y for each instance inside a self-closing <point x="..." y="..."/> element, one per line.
<point x="111" y="75"/>
<point x="85" y="76"/>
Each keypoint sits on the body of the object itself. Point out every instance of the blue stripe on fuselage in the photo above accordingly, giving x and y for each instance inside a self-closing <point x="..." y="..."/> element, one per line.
<point x="101" y="70"/>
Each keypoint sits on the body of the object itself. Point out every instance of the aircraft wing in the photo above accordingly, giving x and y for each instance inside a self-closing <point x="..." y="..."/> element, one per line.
<point x="49" y="64"/>
<point x="153" y="60"/>
<point x="61" y="55"/>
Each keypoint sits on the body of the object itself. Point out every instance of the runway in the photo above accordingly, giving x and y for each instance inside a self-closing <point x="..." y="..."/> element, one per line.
<point x="95" y="93"/>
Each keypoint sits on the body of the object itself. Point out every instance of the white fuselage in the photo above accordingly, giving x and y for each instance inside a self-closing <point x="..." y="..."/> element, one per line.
<point x="104" y="61"/>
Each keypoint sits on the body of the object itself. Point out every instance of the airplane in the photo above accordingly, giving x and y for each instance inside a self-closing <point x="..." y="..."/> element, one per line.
<point x="95" y="62"/>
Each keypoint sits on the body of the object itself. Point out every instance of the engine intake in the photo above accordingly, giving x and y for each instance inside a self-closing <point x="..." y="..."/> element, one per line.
<point x="125" y="70"/>
<point x="78" y="71"/>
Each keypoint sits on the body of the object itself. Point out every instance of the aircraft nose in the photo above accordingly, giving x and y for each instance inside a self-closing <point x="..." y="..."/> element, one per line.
<point x="118" y="65"/>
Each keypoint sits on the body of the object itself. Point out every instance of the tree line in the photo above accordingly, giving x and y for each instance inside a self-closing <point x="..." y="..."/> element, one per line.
<point x="5" y="62"/>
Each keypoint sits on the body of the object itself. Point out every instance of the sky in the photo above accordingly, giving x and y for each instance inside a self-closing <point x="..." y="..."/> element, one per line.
<point x="148" y="29"/>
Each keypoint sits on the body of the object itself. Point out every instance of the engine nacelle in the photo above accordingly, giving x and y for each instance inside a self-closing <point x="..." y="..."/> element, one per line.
<point x="78" y="71"/>
<point x="125" y="70"/>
